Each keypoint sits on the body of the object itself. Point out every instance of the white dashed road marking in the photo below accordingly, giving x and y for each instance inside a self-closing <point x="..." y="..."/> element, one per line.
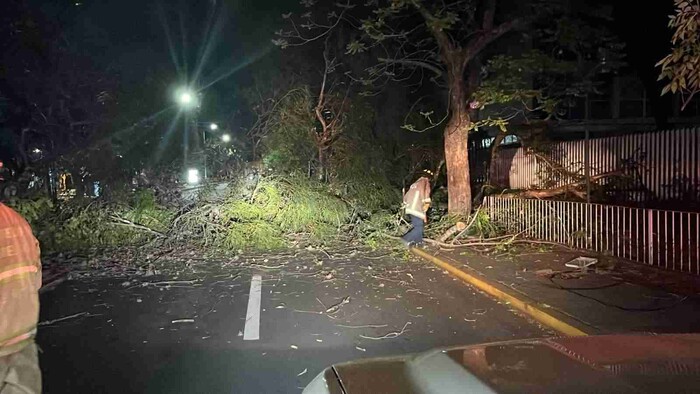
<point x="252" y="317"/>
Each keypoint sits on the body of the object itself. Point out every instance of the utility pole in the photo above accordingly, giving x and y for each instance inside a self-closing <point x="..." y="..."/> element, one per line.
<point x="204" y="147"/>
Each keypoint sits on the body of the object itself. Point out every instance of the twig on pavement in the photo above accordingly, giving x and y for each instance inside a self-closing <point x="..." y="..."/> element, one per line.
<point x="49" y="322"/>
<point x="172" y="282"/>
<point x="377" y="257"/>
<point x="313" y="312"/>
<point x="183" y="321"/>
<point x="363" y="326"/>
<point x="270" y="267"/>
<point x="390" y="335"/>
<point x="388" y="279"/>
<point x="335" y="308"/>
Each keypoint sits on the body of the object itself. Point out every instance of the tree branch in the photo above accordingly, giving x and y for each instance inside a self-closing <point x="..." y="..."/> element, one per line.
<point x="477" y="44"/>
<point x="417" y="63"/>
<point x="443" y="40"/>
<point x="123" y="222"/>
<point x="322" y="94"/>
<point x="489" y="12"/>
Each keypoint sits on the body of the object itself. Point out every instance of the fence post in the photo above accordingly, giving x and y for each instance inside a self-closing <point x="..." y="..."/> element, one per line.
<point x="587" y="165"/>
<point x="650" y="238"/>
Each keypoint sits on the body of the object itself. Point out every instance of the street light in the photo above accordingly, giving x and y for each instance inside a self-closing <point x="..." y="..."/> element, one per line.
<point x="213" y="127"/>
<point x="193" y="176"/>
<point x="186" y="98"/>
<point x="226" y="138"/>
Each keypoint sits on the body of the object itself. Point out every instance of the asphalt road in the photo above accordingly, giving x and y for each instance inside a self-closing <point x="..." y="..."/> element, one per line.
<point x="184" y="333"/>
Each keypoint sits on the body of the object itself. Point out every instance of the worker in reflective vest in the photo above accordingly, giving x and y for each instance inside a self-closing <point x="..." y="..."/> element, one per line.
<point x="20" y="280"/>
<point x="416" y="202"/>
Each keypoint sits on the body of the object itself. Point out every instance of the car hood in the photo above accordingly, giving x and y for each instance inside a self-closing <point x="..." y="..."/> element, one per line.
<point x="615" y="363"/>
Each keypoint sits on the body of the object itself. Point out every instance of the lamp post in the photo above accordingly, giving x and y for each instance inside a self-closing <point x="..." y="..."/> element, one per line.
<point x="212" y="127"/>
<point x="189" y="100"/>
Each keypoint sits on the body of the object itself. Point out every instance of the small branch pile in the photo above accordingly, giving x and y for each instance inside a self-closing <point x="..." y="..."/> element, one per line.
<point x="479" y="231"/>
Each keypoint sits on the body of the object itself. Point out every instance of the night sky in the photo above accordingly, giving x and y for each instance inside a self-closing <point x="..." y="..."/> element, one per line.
<point x="134" y="40"/>
<point x="131" y="36"/>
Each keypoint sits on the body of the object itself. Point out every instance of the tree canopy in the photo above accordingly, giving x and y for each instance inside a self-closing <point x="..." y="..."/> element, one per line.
<point x="460" y="48"/>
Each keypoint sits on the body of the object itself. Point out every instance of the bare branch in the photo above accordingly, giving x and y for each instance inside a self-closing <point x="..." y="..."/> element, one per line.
<point x="478" y="43"/>
<point x="489" y="12"/>
<point x="443" y="40"/>
<point x="417" y="63"/>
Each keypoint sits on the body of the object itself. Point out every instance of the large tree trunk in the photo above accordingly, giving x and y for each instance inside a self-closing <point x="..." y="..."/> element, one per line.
<point x="456" y="137"/>
<point x="321" y="170"/>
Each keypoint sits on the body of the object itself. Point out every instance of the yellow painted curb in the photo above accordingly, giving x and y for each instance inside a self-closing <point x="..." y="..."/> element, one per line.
<point x="523" y="306"/>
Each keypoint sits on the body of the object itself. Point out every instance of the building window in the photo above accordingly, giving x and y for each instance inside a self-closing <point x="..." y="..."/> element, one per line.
<point x="510" y="140"/>
<point x="507" y="140"/>
<point x="632" y="98"/>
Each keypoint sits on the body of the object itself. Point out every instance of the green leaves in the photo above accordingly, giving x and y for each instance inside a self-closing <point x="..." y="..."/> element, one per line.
<point x="443" y="22"/>
<point x="511" y="79"/>
<point x="355" y="47"/>
<point x="501" y="123"/>
<point x="280" y="42"/>
<point x="682" y="66"/>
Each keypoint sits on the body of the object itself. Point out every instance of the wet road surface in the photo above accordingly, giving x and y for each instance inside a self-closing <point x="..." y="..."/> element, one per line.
<point x="185" y="333"/>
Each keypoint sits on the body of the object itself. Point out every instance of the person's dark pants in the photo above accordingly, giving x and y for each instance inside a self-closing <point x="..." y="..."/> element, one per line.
<point x="415" y="235"/>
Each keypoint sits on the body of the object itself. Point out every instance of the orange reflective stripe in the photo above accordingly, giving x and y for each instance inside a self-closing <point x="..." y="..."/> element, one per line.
<point x="26" y="275"/>
<point x="17" y="339"/>
<point x="17" y="271"/>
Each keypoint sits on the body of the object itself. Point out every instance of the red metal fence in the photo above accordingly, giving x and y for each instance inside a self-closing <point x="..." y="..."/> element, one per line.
<point x="660" y="166"/>
<point x="666" y="239"/>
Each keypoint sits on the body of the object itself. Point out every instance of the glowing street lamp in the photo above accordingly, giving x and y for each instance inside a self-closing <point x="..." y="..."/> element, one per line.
<point x="226" y="138"/>
<point x="213" y="127"/>
<point x="186" y="98"/>
<point x="193" y="176"/>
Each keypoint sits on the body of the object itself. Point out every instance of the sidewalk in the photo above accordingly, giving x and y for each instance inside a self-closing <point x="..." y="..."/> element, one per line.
<point x="617" y="297"/>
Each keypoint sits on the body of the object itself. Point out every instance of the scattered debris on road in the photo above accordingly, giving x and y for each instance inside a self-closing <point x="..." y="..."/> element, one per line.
<point x="364" y="326"/>
<point x="333" y="309"/>
<point x="60" y="319"/>
<point x="391" y="335"/>
<point x="581" y="263"/>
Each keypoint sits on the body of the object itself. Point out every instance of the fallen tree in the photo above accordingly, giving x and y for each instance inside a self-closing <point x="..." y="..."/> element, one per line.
<point x="574" y="188"/>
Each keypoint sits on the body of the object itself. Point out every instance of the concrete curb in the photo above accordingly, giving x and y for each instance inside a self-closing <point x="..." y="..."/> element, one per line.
<point x="523" y="306"/>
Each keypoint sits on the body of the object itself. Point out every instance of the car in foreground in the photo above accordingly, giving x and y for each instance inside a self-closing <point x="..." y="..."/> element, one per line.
<point x="593" y="364"/>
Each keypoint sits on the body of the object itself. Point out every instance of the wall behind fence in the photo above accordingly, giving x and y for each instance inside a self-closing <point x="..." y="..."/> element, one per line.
<point x="666" y="239"/>
<point x="661" y="165"/>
